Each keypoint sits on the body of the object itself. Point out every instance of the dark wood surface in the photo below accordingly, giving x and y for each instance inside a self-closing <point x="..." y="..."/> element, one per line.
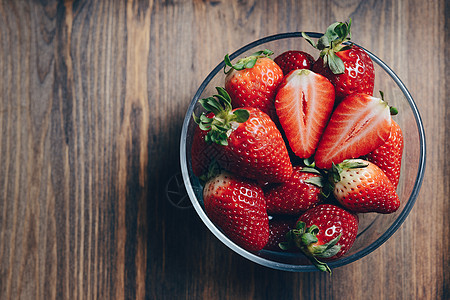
<point x="92" y="99"/>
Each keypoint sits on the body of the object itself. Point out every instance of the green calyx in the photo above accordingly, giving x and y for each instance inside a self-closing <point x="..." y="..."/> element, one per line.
<point x="309" y="162"/>
<point x="305" y="238"/>
<point x="333" y="175"/>
<point x="246" y="62"/>
<point x="392" y="110"/>
<point x="319" y="181"/>
<point x="334" y="40"/>
<point x="328" y="177"/>
<point x="223" y="122"/>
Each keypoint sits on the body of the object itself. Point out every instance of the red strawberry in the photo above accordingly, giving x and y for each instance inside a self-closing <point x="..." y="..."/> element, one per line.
<point x="347" y="66"/>
<point x="202" y="153"/>
<point x="253" y="80"/>
<point x="388" y="157"/>
<point x="304" y="103"/>
<point x="199" y="157"/>
<point x="295" y="195"/>
<point x="238" y="207"/>
<point x="294" y="60"/>
<point x="325" y="232"/>
<point x="250" y="143"/>
<point x="361" y="186"/>
<point x="359" y="75"/>
<point x="278" y="227"/>
<point x="359" y="124"/>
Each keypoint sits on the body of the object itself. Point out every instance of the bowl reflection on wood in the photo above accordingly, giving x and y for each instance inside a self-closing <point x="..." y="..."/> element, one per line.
<point x="374" y="229"/>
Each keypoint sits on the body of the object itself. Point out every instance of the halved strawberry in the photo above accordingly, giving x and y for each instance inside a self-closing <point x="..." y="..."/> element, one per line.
<point x="253" y="80"/>
<point x="361" y="186"/>
<point x="359" y="124"/>
<point x="295" y="195"/>
<point x="323" y="232"/>
<point x="238" y="207"/>
<point x="388" y="157"/>
<point x="304" y="103"/>
<point x="293" y="60"/>
<point x="249" y="142"/>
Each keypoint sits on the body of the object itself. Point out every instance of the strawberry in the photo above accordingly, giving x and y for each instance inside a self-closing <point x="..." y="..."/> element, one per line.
<point x="294" y="60"/>
<point x="388" y="157"/>
<point x="348" y="67"/>
<point x="295" y="195"/>
<point x="238" y="207"/>
<point x="199" y="157"/>
<point x="253" y="80"/>
<point x="250" y="143"/>
<point x="326" y="232"/>
<point x="279" y="226"/>
<point x="304" y="103"/>
<point x="202" y="153"/>
<point x="361" y="186"/>
<point x="359" y="124"/>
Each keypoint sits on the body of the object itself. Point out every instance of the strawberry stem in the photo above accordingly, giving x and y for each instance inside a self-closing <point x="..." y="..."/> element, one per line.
<point x="246" y="62"/>
<point x="321" y="266"/>
<point x="334" y="40"/>
<point x="305" y="238"/>
<point x="392" y="110"/>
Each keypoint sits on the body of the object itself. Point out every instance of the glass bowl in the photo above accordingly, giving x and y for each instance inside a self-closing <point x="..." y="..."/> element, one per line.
<point x="374" y="229"/>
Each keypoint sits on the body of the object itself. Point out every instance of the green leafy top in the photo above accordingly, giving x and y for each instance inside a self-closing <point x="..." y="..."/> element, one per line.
<point x="392" y="110"/>
<point x="331" y="42"/>
<point x="334" y="175"/>
<point x="246" y="62"/>
<point x="223" y="122"/>
<point x="305" y="239"/>
<point x="329" y="177"/>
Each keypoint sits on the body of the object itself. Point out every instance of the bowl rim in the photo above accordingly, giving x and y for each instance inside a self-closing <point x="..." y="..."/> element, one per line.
<point x="284" y="266"/>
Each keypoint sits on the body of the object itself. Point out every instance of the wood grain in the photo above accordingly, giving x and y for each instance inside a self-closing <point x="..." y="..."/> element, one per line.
<point x="93" y="95"/>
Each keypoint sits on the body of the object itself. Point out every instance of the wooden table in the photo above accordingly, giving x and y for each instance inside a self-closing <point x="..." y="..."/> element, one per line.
<point x="93" y="95"/>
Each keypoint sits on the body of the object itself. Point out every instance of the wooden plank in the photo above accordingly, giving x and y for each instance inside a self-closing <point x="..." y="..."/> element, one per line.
<point x="93" y="96"/>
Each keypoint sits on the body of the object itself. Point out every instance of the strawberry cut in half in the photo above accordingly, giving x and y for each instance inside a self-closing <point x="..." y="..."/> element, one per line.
<point x="359" y="124"/>
<point x="304" y="103"/>
<point x="238" y="207"/>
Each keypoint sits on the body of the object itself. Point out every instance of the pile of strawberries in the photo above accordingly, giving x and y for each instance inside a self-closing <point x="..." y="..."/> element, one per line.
<point x="291" y="149"/>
